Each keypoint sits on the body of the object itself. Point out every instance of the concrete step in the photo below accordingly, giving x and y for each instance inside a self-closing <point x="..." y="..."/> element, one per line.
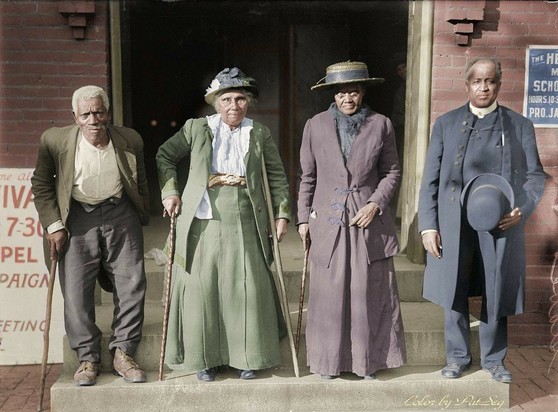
<point x="409" y="275"/>
<point x="409" y="279"/>
<point x="416" y="386"/>
<point x="405" y="388"/>
<point x="422" y="321"/>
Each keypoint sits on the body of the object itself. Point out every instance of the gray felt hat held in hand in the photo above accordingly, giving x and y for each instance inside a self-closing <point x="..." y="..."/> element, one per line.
<point x="486" y="199"/>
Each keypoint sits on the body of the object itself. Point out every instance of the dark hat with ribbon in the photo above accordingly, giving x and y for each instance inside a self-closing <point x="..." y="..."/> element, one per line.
<point x="230" y="79"/>
<point x="346" y="73"/>
<point x="486" y="199"/>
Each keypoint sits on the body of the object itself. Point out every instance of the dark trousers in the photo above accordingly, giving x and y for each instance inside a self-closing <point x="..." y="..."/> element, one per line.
<point x="493" y="337"/>
<point x="109" y="235"/>
<point x="478" y="262"/>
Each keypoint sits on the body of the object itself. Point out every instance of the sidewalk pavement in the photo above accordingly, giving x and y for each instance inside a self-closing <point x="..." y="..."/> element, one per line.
<point x="534" y="387"/>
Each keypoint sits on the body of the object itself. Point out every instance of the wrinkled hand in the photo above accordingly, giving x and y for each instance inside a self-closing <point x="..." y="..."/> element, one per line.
<point x="365" y="215"/>
<point x="510" y="220"/>
<point x="432" y="243"/>
<point x="172" y="205"/>
<point x="56" y="242"/>
<point x="281" y="228"/>
<point x="303" y="231"/>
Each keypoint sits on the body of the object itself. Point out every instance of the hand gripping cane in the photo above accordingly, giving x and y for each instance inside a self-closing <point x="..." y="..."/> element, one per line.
<point x="50" y="290"/>
<point x="167" y="294"/>
<point x="277" y="259"/>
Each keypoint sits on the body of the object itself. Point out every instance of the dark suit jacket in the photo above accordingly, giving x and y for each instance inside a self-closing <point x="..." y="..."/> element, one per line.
<point x="372" y="170"/>
<point x="440" y="206"/>
<point x="53" y="177"/>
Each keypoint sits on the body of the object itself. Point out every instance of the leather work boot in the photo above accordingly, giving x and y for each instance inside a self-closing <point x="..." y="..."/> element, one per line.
<point x="86" y="375"/>
<point x="125" y="366"/>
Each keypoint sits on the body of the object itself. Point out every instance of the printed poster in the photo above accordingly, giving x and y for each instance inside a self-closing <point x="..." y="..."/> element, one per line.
<point x="540" y="103"/>
<point x="24" y="277"/>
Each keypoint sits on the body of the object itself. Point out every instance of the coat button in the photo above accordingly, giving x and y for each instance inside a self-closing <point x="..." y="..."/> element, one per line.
<point x="452" y="199"/>
<point x="453" y="189"/>
<point x="457" y="163"/>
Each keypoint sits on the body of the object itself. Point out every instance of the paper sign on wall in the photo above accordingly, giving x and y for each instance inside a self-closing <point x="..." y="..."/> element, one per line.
<point x="24" y="277"/>
<point x="540" y="103"/>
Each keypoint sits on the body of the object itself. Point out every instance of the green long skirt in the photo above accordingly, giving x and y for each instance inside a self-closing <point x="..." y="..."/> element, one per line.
<point x="222" y="309"/>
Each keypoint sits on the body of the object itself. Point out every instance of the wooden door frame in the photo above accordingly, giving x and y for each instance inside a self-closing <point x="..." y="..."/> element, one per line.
<point x="417" y="122"/>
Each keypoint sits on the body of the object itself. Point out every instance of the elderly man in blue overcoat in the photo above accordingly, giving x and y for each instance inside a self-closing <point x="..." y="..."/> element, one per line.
<point x="479" y="137"/>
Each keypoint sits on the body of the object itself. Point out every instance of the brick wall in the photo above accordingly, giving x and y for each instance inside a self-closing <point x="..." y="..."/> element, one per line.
<point x="504" y="29"/>
<point x="41" y="64"/>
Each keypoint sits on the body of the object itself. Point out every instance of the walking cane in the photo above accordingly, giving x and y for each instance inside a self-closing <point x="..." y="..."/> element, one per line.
<point x="167" y="294"/>
<point x="306" y="244"/>
<point x="278" y="265"/>
<point x="50" y="290"/>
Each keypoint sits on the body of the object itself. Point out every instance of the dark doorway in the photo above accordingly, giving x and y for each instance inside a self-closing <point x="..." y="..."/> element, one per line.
<point x="173" y="49"/>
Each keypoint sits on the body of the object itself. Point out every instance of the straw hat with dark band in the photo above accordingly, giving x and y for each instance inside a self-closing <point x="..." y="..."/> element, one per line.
<point x="346" y="73"/>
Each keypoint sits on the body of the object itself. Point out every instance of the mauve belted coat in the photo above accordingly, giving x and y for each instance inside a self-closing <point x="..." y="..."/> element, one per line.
<point x="354" y="319"/>
<point x="327" y="185"/>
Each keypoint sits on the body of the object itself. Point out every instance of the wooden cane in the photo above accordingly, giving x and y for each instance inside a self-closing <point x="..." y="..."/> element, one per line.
<point x="167" y="295"/>
<point x="50" y="290"/>
<point x="279" y="269"/>
<point x="306" y="244"/>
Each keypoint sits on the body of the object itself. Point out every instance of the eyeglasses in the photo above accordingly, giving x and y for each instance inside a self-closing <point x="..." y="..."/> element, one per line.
<point x="225" y="101"/>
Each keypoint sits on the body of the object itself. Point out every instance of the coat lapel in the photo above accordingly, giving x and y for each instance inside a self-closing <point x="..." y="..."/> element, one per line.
<point x="330" y="139"/>
<point x="66" y="158"/>
<point x="120" y="144"/>
<point x="208" y="159"/>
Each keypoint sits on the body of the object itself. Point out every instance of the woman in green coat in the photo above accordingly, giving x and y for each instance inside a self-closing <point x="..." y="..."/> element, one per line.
<point x="223" y="309"/>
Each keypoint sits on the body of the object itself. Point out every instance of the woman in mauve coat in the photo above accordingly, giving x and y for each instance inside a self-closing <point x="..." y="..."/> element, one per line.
<point x="349" y="173"/>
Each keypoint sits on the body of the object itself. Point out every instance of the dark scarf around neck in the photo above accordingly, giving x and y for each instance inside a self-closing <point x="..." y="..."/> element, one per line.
<point x="348" y="126"/>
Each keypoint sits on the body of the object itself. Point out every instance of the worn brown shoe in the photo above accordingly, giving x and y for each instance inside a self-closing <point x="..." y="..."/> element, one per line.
<point x="86" y="375"/>
<point x="125" y="366"/>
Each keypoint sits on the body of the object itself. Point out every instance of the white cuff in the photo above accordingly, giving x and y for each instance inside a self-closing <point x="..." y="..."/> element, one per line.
<point x="55" y="227"/>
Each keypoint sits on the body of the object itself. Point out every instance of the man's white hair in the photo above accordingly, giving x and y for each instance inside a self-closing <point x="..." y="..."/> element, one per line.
<point x="89" y="92"/>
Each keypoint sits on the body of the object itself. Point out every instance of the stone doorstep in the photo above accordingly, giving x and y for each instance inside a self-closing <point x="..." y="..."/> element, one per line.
<point x="405" y="388"/>
<point x="409" y="282"/>
<point x="417" y="386"/>
<point x="422" y="322"/>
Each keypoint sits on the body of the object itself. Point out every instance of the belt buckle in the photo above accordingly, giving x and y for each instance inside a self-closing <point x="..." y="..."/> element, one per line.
<point x="230" y="179"/>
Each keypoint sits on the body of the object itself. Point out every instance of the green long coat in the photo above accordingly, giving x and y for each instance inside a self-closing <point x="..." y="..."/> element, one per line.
<point x="229" y="318"/>
<point x="194" y="143"/>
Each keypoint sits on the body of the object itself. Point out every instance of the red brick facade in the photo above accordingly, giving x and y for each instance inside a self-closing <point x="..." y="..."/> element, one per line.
<point x="43" y="59"/>
<point x="41" y="64"/>
<point x="504" y="29"/>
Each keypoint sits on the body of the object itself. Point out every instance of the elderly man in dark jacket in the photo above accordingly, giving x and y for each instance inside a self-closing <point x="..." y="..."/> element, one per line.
<point x="479" y="137"/>
<point x="91" y="194"/>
